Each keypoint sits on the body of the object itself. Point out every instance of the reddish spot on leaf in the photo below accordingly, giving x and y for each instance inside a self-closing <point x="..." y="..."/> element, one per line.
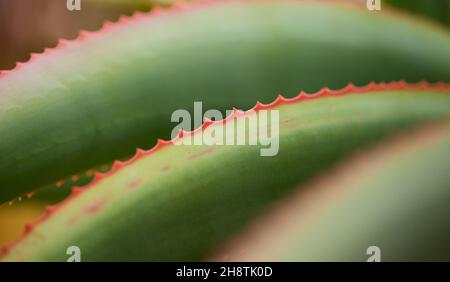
<point x="96" y="206"/>
<point x="201" y="154"/>
<point x="72" y="221"/>
<point x="165" y="168"/>
<point x="4" y="250"/>
<point x="134" y="183"/>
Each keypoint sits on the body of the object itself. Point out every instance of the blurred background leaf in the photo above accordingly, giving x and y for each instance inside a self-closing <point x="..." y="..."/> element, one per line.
<point x="438" y="10"/>
<point x="28" y="26"/>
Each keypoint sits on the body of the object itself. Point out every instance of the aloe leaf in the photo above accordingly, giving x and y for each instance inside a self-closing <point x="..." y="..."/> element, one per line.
<point x="391" y="202"/>
<point x="24" y="30"/>
<point x="179" y="202"/>
<point x="98" y="98"/>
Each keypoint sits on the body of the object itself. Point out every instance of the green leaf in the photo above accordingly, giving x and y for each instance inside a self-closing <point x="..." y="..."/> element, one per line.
<point x="180" y="202"/>
<point x="394" y="198"/>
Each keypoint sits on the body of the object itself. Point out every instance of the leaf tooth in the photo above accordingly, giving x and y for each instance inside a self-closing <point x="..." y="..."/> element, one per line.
<point x="28" y="228"/>
<point x="140" y="152"/>
<point x="237" y="112"/>
<point x="342" y="91"/>
<point x="402" y="83"/>
<point x="372" y="86"/>
<point x="326" y="91"/>
<point x="77" y="190"/>
<point x="83" y="35"/>
<point x="278" y="100"/>
<point x="62" y="43"/>
<point x="262" y="106"/>
<point x="161" y="142"/>
<point x="393" y="85"/>
<point x="442" y="86"/>
<point x="4" y="250"/>
<point x="107" y="25"/>
<point x="301" y="96"/>
<point x="258" y="106"/>
<point x="97" y="177"/>
<point x="423" y="84"/>
<point x="46" y="51"/>
<point x="123" y="19"/>
<point x="206" y="123"/>
<point x="117" y="164"/>
<point x="381" y="86"/>
<point x="272" y="104"/>
<point x="50" y="209"/>
<point x="350" y="87"/>
<point x="369" y="87"/>
<point x="4" y="72"/>
<point x="19" y="65"/>
<point x="33" y="57"/>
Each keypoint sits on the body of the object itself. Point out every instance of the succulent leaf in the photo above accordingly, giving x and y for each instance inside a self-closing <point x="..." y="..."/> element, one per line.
<point x="147" y="208"/>
<point x="394" y="198"/>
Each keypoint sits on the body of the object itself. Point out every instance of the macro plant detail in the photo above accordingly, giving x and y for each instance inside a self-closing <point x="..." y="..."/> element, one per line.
<point x="91" y="116"/>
